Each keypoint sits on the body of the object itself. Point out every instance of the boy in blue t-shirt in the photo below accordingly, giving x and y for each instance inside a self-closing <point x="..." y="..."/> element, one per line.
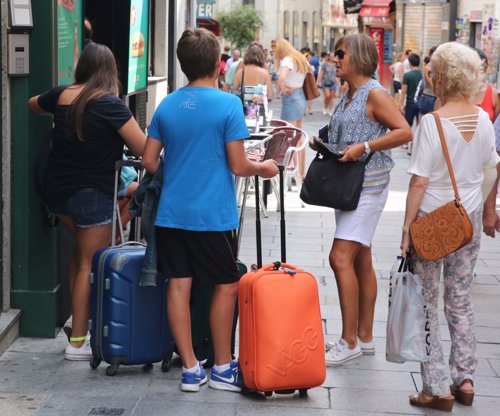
<point x="201" y="130"/>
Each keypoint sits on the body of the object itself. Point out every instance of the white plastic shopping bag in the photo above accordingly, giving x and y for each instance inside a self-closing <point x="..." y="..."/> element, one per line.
<point x="407" y="322"/>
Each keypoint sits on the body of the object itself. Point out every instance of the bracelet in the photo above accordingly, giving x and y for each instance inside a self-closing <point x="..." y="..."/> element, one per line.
<point x="405" y="228"/>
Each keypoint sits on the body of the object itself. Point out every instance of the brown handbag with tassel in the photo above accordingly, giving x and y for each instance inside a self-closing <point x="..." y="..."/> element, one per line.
<point x="447" y="228"/>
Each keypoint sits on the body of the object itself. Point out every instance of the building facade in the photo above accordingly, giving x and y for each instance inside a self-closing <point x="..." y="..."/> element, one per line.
<point x="422" y="24"/>
<point x="299" y="21"/>
<point x="478" y="26"/>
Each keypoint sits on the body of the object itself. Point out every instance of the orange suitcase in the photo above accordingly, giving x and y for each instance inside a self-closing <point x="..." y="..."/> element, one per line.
<point x="281" y="332"/>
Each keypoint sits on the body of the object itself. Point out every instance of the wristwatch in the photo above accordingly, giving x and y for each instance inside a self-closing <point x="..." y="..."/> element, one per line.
<point x="367" y="148"/>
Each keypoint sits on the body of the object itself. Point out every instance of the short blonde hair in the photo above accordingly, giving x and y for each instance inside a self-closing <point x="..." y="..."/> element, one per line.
<point x="460" y="68"/>
<point x="362" y="51"/>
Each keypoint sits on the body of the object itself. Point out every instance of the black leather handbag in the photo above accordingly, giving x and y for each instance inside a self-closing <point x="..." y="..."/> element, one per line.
<point x="333" y="184"/>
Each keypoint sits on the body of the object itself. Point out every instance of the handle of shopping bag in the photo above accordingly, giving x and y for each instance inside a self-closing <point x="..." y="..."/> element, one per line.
<point x="406" y="264"/>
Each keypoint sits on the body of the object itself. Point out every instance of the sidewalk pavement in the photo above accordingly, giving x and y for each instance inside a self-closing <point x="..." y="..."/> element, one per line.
<point x="36" y="380"/>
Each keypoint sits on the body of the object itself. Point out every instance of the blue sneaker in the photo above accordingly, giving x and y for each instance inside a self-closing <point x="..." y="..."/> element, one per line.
<point x="225" y="380"/>
<point x="193" y="381"/>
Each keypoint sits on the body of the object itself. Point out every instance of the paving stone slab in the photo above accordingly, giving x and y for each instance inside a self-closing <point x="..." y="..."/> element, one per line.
<point x="12" y="404"/>
<point x="352" y="378"/>
<point x="317" y="397"/>
<point x="495" y="366"/>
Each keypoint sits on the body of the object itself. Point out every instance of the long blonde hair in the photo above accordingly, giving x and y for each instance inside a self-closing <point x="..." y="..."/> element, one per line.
<point x="284" y="49"/>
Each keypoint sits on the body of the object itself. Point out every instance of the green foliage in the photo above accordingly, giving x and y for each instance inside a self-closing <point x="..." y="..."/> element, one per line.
<point x="239" y="25"/>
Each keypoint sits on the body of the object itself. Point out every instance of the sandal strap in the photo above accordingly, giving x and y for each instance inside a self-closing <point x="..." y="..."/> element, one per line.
<point x="467" y="380"/>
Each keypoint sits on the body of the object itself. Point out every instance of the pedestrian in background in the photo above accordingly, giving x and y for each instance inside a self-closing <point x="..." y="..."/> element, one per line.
<point x="409" y="88"/>
<point x="327" y="81"/>
<point x="197" y="215"/>
<point x="293" y="69"/>
<point x="226" y="54"/>
<point x="314" y="61"/>
<point x="254" y="73"/>
<point x="406" y="63"/>
<point x="366" y="120"/>
<point x="396" y="69"/>
<point x="91" y="125"/>
<point x="427" y="99"/>
<point x="487" y="96"/>
<point x="456" y="75"/>
<point x="230" y="70"/>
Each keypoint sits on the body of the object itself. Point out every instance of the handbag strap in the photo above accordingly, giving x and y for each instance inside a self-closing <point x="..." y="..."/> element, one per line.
<point x="447" y="156"/>
<point x="241" y="84"/>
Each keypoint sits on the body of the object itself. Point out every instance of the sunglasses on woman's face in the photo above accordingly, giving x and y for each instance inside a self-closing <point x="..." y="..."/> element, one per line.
<point x="340" y="53"/>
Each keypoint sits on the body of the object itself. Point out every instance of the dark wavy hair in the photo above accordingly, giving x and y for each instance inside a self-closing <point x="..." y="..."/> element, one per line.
<point x="96" y="70"/>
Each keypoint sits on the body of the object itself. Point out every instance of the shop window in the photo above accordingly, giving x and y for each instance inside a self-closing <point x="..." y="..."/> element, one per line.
<point x="295" y="29"/>
<point x="316" y="31"/>
<point x="286" y="25"/>
<point x="305" y="29"/>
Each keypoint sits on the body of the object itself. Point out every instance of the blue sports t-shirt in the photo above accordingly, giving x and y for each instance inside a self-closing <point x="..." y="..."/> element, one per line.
<point x="194" y="124"/>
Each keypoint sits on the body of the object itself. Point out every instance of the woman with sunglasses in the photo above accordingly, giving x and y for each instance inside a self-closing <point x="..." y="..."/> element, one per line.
<point x="366" y="120"/>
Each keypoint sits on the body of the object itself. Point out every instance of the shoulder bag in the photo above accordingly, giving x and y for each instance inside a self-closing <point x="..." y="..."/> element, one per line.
<point x="310" y="88"/>
<point x="333" y="184"/>
<point x="447" y="228"/>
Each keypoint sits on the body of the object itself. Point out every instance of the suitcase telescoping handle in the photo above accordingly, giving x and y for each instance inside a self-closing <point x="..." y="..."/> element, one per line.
<point x="118" y="166"/>
<point x="258" y="232"/>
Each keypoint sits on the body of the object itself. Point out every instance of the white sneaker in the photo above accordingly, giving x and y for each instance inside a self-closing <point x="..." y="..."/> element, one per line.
<point x="83" y="353"/>
<point x="341" y="353"/>
<point x="325" y="112"/>
<point x="367" y="348"/>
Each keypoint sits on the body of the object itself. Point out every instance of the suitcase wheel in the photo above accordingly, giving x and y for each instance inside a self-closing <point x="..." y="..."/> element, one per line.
<point x="268" y="393"/>
<point x="303" y="392"/>
<point x="112" y="369"/>
<point x="94" y="362"/>
<point x="166" y="363"/>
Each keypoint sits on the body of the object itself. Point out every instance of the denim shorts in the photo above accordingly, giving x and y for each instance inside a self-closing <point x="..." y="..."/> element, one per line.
<point x="293" y="105"/>
<point x="426" y="104"/>
<point x="88" y="207"/>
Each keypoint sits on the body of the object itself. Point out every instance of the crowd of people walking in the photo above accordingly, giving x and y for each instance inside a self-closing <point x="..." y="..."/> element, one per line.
<point x="197" y="214"/>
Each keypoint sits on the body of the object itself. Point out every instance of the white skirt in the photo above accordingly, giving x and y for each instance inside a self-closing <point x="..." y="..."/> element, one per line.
<point x="359" y="225"/>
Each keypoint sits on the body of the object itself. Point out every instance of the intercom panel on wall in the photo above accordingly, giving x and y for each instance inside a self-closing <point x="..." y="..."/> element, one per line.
<point x="19" y="52"/>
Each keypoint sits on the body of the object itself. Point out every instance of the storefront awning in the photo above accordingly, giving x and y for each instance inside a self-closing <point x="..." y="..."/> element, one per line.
<point x="383" y="3"/>
<point x="374" y="11"/>
<point x="209" y="24"/>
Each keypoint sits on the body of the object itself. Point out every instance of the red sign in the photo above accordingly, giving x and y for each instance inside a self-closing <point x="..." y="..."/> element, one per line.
<point x="377" y="34"/>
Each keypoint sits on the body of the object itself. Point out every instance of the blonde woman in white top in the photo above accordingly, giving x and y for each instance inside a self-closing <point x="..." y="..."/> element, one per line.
<point x="470" y="140"/>
<point x="293" y="67"/>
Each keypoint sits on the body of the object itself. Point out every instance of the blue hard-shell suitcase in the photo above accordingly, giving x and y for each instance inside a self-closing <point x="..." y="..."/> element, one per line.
<point x="128" y="323"/>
